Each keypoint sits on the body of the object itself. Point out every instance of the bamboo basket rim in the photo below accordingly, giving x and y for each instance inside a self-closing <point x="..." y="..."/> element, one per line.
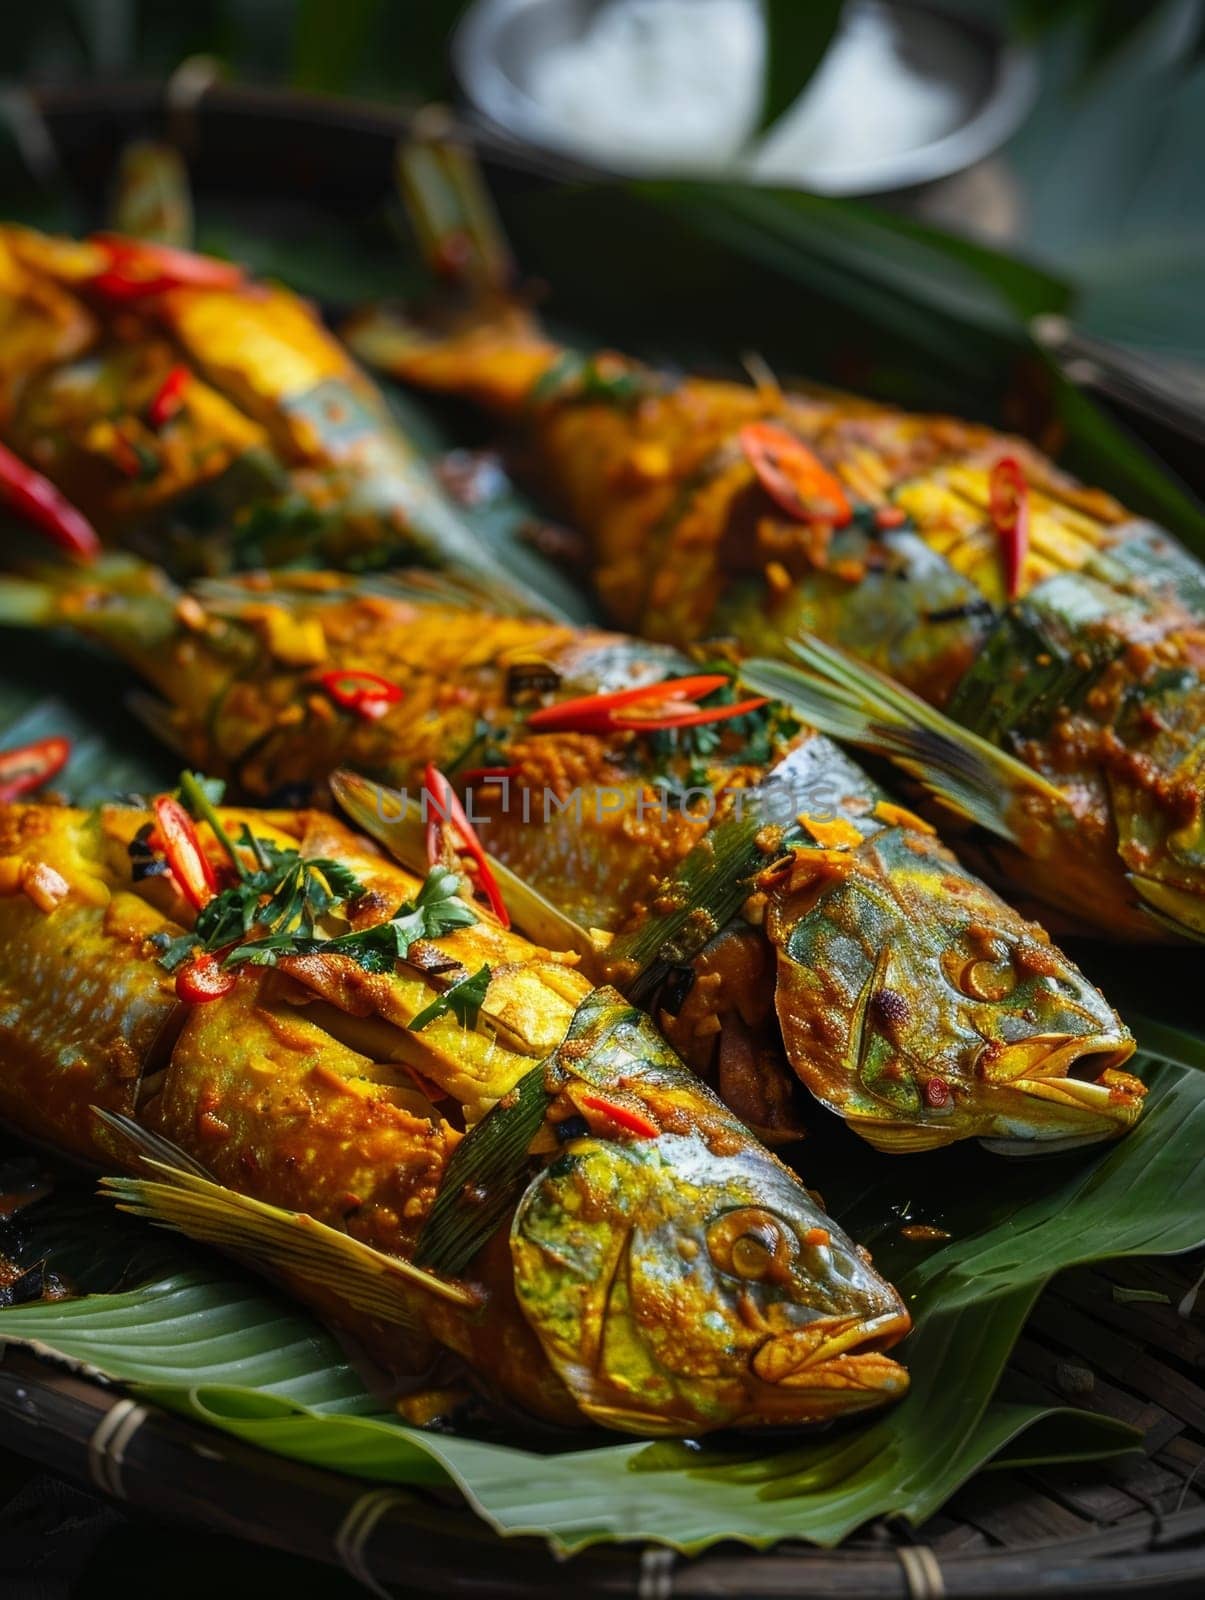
<point x="150" y="1460"/>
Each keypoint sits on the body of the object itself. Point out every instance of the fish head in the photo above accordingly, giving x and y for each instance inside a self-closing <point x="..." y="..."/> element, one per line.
<point x="919" y="1006"/>
<point x="688" y="1281"/>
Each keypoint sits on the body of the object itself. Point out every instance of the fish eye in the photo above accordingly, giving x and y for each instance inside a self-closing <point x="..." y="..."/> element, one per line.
<point x="750" y="1244"/>
<point x="982" y="977"/>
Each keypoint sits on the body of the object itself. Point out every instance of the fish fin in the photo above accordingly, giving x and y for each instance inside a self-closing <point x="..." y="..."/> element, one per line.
<point x="855" y="703"/>
<point x="450" y="208"/>
<point x="900" y="1138"/>
<point x="228" y="597"/>
<point x="394" y="820"/>
<point x="147" y="1144"/>
<point x="454" y="591"/>
<point x="1172" y="908"/>
<point x="489" y="1169"/>
<point x="290" y="1243"/>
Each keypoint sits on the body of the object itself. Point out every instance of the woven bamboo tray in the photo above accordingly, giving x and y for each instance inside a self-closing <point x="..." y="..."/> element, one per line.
<point x="1135" y="1526"/>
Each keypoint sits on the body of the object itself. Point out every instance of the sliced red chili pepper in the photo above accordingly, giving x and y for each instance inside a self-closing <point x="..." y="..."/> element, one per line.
<point x="29" y="766"/>
<point x="1008" y="506"/>
<point x="890" y="517"/>
<point x="136" y="268"/>
<point x="444" y="810"/>
<point x="184" y="851"/>
<point x="366" y="694"/>
<point x="623" y="1116"/>
<point x="169" y="397"/>
<point x="602" y="713"/>
<point x="689" y="719"/>
<point x="36" y="500"/>
<point x="204" y="978"/>
<point x="793" y="476"/>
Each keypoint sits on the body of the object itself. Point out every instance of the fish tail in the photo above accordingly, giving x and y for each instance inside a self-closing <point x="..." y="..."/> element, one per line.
<point x="481" y="343"/>
<point x="176" y="1192"/>
<point x="152" y="198"/>
<point x="123" y="603"/>
<point x="449" y="206"/>
<point x="854" y="703"/>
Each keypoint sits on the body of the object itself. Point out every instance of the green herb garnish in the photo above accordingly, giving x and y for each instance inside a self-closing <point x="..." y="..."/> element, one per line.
<point x="276" y="907"/>
<point x="464" y="1000"/>
<point x="575" y="376"/>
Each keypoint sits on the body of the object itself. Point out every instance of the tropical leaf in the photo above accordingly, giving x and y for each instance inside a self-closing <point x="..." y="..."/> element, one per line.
<point x="797" y="40"/>
<point x="61" y="686"/>
<point x="213" y="1345"/>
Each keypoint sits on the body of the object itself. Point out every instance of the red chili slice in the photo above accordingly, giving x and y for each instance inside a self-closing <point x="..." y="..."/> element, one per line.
<point x="793" y="476"/>
<point x="1008" y="506"/>
<point x="36" y="501"/>
<point x="623" y="1116"/>
<point x="597" y="713"/>
<point x="185" y="854"/>
<point x="168" y="398"/>
<point x="204" y="978"/>
<point x="366" y="694"/>
<point x="447" y="812"/>
<point x="689" y="719"/>
<point x="29" y="766"/>
<point x="137" y="268"/>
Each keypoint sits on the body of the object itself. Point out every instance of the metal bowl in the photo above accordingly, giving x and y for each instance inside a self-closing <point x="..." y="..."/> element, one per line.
<point x="986" y="86"/>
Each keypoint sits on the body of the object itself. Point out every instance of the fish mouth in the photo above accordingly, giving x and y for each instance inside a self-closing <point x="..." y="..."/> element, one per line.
<point x="1075" y="1086"/>
<point x="834" y="1365"/>
<point x="1083" y="1058"/>
<point x="812" y="1375"/>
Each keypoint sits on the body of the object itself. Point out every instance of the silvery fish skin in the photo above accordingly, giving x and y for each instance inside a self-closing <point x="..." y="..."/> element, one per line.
<point x="298" y="1094"/>
<point x="903" y="993"/>
<point x="1090" y="670"/>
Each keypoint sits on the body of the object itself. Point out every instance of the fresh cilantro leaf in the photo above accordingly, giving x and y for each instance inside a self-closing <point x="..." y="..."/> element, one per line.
<point x="278" y="905"/>
<point x="178" y="950"/>
<point x="276" y="910"/>
<point x="464" y="1000"/>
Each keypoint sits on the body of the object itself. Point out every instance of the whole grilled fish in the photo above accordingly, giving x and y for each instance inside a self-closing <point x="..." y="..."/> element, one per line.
<point x="204" y="419"/>
<point x="1037" y="616"/>
<point x="314" y="1100"/>
<point x="904" y="994"/>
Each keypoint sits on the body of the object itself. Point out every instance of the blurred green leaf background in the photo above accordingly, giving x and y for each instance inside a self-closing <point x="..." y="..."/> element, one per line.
<point x="1106" y="179"/>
